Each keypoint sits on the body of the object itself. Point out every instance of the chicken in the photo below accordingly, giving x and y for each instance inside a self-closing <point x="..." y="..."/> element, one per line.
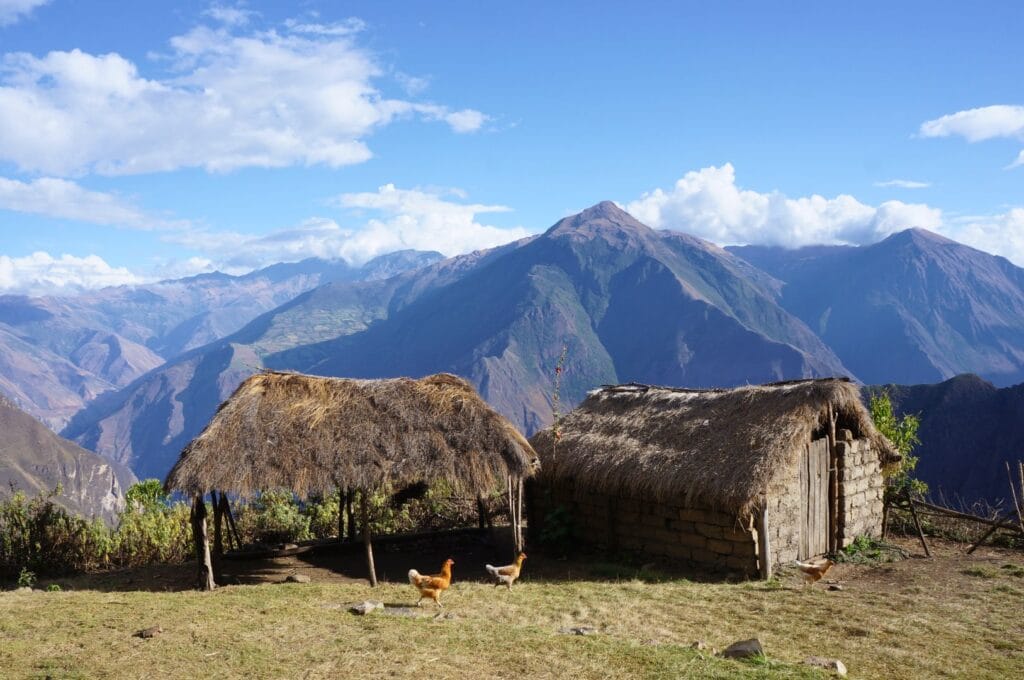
<point x="432" y="585"/>
<point x="812" y="571"/>
<point x="508" y="574"/>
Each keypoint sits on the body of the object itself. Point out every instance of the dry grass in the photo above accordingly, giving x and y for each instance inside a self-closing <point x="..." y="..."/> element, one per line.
<point x="312" y="435"/>
<point x="917" y="618"/>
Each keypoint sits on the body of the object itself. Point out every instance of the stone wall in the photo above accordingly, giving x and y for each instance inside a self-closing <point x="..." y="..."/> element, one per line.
<point x="861" y="487"/>
<point x="693" y="536"/>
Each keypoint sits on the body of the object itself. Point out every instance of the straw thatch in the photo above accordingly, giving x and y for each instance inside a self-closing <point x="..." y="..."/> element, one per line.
<point x="312" y="435"/>
<point x="716" y="447"/>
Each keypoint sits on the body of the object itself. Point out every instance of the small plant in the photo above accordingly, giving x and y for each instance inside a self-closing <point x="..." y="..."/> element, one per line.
<point x="867" y="550"/>
<point x="1013" y="570"/>
<point x="979" y="572"/>
<point x="53" y="588"/>
<point x="26" y="579"/>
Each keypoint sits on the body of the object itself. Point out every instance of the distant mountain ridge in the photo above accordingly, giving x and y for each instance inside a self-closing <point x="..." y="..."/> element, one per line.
<point x="35" y="460"/>
<point x="59" y="354"/>
<point x="913" y="308"/>
<point x="969" y="430"/>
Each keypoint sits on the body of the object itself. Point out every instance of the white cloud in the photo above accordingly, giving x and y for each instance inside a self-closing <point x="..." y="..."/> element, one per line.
<point x="303" y="95"/>
<point x="979" y="124"/>
<point x="12" y="11"/>
<point x="709" y="204"/>
<point x="384" y="221"/>
<point x="411" y="218"/>
<point x="42" y="274"/>
<point x="1001" y="234"/>
<point x="466" y="120"/>
<point x="976" y="125"/>
<point x="63" y="199"/>
<point x="903" y="184"/>
<point x="230" y="15"/>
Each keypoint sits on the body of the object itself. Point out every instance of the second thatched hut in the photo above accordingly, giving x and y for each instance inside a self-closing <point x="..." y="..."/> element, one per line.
<point x="732" y="480"/>
<point x="313" y="435"/>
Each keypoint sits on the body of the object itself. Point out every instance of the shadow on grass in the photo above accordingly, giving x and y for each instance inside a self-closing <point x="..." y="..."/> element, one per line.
<point x="394" y="556"/>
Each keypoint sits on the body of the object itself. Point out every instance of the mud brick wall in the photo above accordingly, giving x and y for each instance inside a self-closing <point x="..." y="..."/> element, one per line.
<point x="861" y="487"/>
<point x="784" y="516"/>
<point x="694" y="536"/>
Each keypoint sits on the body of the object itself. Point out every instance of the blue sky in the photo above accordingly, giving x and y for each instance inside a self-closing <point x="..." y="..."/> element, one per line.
<point x="139" y="141"/>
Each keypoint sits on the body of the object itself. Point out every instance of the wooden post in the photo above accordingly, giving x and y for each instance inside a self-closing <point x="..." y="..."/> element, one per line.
<point x="341" y="514"/>
<point x="764" y="552"/>
<point x="481" y="511"/>
<point x="885" y="518"/>
<point x="917" y="523"/>
<point x="833" y="483"/>
<point x="218" y="519"/>
<point x="513" y="516"/>
<point x="1013" y="491"/>
<point x="991" y="530"/>
<point x="206" y="581"/>
<point x="519" y="517"/>
<point x="231" y="520"/>
<point x="365" y="517"/>
<point x="349" y="496"/>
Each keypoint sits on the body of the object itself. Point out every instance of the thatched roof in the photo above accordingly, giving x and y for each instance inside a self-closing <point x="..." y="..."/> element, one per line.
<point x="312" y="435"/>
<point x="718" y="447"/>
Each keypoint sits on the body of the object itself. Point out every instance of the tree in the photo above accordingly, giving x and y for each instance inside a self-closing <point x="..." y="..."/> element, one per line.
<point x="902" y="432"/>
<point x="146" y="496"/>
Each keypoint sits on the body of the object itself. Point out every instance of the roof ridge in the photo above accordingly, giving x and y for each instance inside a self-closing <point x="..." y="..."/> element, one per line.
<point x="644" y="387"/>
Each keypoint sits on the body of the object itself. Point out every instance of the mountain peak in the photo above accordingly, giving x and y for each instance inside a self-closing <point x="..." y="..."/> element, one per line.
<point x="606" y="220"/>
<point x="918" y="236"/>
<point x="605" y="209"/>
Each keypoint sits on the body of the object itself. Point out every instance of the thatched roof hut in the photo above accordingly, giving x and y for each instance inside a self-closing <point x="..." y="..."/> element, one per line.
<point x="724" y="450"/>
<point x="716" y="446"/>
<point x="313" y="435"/>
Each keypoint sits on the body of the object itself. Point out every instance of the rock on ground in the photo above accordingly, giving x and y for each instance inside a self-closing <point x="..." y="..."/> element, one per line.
<point x="364" y="608"/>
<point x="834" y="665"/>
<point x="744" y="649"/>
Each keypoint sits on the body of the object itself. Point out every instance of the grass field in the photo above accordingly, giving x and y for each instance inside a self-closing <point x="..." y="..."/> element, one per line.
<point x="953" y="616"/>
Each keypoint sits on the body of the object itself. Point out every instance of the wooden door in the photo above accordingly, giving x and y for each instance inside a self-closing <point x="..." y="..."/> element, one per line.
<point x="814" y="499"/>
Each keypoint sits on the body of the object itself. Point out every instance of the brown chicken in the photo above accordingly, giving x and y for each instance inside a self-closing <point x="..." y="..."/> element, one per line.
<point x="812" y="571"/>
<point x="508" y="574"/>
<point x="432" y="585"/>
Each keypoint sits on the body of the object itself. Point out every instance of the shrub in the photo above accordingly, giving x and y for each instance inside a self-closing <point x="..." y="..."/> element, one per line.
<point x="26" y="579"/>
<point x="273" y="517"/>
<point x="151" y="530"/>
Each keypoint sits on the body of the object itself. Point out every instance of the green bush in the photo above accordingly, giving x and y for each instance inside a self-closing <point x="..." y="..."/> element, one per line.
<point x="273" y="517"/>
<point x="26" y="579"/>
<point x="38" y="535"/>
<point x="151" y="531"/>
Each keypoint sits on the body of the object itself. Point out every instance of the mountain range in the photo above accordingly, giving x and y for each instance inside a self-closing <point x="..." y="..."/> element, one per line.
<point x="58" y="354"/>
<point x="914" y="308"/>
<point x="500" y="318"/>
<point x="628" y="303"/>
